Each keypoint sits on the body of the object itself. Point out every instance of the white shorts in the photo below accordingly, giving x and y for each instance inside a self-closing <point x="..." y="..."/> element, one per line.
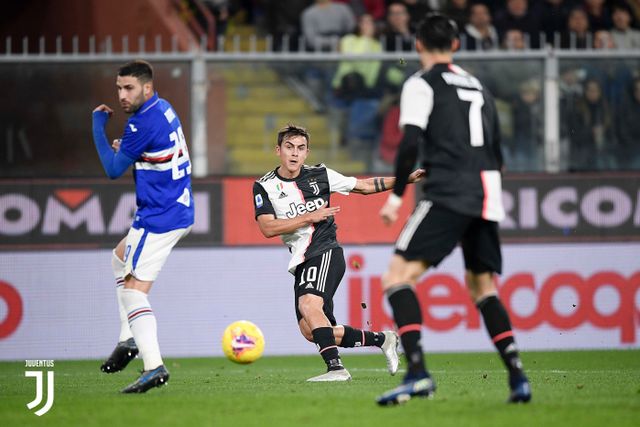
<point x="145" y="253"/>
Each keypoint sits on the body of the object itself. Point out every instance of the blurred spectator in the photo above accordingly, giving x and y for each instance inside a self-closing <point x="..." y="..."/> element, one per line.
<point x="519" y="16"/>
<point x="458" y="10"/>
<point x="355" y="79"/>
<point x="480" y="34"/>
<point x="602" y="39"/>
<point x="283" y="22"/>
<point x="356" y="103"/>
<point x="524" y="153"/>
<point x="325" y="21"/>
<point x="591" y="139"/>
<point x="624" y="36"/>
<point x="599" y="15"/>
<point x="397" y="34"/>
<point x="577" y="35"/>
<point x="553" y="17"/>
<point x="628" y="130"/>
<point x="514" y="40"/>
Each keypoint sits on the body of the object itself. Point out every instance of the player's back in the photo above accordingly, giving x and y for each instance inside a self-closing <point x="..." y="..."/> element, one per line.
<point x="461" y="144"/>
<point x="154" y="137"/>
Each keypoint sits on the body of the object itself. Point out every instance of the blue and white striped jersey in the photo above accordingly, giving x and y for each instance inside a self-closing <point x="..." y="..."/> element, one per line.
<point x="153" y="136"/>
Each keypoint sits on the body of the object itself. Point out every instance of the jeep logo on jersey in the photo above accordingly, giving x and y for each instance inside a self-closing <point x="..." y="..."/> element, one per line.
<point x="85" y="213"/>
<point x="296" y="209"/>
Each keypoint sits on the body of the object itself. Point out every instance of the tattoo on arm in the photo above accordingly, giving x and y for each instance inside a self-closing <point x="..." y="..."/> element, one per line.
<point x="379" y="184"/>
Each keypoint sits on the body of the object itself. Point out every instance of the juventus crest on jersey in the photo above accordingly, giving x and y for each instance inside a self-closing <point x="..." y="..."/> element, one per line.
<point x="288" y="198"/>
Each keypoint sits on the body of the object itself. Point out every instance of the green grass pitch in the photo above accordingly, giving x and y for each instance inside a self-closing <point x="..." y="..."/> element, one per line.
<point x="578" y="388"/>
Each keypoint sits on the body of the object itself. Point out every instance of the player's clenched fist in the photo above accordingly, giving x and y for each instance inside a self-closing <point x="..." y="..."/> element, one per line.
<point x="103" y="107"/>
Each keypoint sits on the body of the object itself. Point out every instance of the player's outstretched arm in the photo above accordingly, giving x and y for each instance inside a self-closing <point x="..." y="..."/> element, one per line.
<point x="406" y="158"/>
<point x="270" y="226"/>
<point x="114" y="163"/>
<point x="379" y="184"/>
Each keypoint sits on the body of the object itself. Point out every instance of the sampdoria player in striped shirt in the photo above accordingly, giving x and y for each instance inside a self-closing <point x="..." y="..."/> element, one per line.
<point x="154" y="144"/>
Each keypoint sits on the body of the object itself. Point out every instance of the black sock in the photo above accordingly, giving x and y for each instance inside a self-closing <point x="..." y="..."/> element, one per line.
<point x="408" y="317"/>
<point x="496" y="320"/>
<point x="360" y="338"/>
<point x="327" y="347"/>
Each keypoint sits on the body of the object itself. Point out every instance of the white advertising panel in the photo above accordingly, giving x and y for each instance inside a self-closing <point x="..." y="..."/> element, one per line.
<point x="61" y="305"/>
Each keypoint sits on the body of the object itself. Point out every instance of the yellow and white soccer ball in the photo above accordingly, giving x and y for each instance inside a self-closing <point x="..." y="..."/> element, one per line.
<point x="243" y="342"/>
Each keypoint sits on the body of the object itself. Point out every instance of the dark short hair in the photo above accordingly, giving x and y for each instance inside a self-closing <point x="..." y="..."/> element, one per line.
<point x="621" y="6"/>
<point x="437" y="31"/>
<point x="291" y="130"/>
<point x="139" y="69"/>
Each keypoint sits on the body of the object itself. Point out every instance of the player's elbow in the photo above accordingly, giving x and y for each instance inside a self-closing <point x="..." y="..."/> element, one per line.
<point x="267" y="233"/>
<point x="113" y="174"/>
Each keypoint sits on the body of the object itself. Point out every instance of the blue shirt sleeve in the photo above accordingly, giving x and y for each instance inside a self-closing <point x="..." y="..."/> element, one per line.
<point x="134" y="140"/>
<point x="114" y="163"/>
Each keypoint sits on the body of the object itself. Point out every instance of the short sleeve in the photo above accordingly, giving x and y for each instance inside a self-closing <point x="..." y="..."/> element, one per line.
<point x="416" y="103"/>
<point x="135" y="140"/>
<point x="261" y="202"/>
<point x="339" y="183"/>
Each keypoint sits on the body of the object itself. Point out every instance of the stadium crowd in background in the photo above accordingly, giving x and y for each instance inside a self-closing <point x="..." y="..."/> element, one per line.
<point x="364" y="95"/>
<point x="540" y="22"/>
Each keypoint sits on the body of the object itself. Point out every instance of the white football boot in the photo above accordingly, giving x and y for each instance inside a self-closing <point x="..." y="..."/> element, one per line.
<point x="390" y="350"/>
<point x="339" y="375"/>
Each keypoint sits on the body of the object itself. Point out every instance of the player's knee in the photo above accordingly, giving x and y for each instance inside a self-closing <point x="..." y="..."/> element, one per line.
<point x="392" y="280"/>
<point x="480" y="284"/>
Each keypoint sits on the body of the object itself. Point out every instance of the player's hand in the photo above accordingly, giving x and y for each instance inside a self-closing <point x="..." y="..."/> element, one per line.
<point x="323" y="213"/>
<point x="416" y="175"/>
<point x="104" y="108"/>
<point x="116" y="145"/>
<point x="389" y="212"/>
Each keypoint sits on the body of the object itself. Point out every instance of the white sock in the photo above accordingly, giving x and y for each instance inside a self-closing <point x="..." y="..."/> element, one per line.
<point x="143" y="325"/>
<point x="118" y="271"/>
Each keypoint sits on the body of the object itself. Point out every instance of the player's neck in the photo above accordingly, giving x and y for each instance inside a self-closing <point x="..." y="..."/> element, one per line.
<point x="428" y="60"/>
<point x="285" y="173"/>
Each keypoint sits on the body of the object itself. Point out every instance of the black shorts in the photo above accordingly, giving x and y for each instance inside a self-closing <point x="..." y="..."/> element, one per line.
<point x="320" y="275"/>
<point x="433" y="231"/>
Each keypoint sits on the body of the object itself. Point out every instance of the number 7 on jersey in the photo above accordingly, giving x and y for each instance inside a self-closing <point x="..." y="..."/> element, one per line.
<point x="476" y="134"/>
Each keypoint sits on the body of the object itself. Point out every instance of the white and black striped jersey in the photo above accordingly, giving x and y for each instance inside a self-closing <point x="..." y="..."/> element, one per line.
<point x="287" y="198"/>
<point x="460" y="148"/>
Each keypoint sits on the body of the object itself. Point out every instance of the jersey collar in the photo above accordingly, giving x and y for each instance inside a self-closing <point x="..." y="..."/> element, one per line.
<point x="302" y="171"/>
<point x="148" y="104"/>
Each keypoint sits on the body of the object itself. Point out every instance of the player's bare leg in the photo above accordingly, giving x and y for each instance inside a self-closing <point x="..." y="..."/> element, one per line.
<point x="126" y="349"/>
<point x="496" y="319"/>
<point x="398" y="283"/>
<point x="311" y="308"/>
